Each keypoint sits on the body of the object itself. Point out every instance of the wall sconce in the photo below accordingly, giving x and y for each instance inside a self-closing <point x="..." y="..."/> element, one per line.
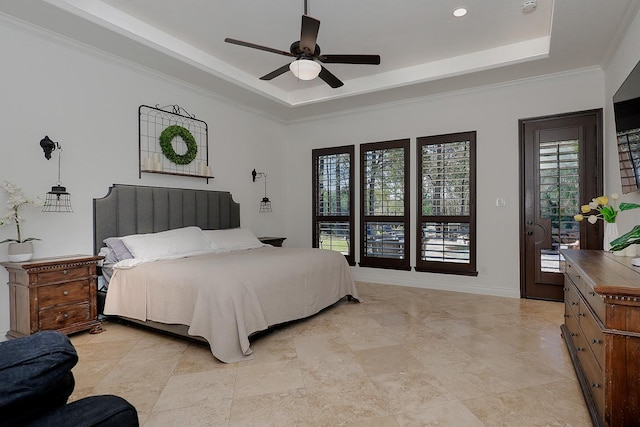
<point x="57" y="200"/>
<point x="265" y="204"/>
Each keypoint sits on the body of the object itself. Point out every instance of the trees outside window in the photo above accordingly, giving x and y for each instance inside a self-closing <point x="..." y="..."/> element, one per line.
<point x="333" y="218"/>
<point x="446" y="232"/>
<point x="384" y="225"/>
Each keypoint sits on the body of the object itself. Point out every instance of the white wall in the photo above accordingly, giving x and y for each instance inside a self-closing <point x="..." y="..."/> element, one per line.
<point x="491" y="111"/>
<point x="89" y="103"/>
<point x="626" y="57"/>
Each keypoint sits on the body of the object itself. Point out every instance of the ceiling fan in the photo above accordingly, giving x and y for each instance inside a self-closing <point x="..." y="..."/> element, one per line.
<point x="307" y="54"/>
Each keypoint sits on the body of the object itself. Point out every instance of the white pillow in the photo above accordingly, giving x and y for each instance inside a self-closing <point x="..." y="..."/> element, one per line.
<point x="232" y="239"/>
<point x="180" y="241"/>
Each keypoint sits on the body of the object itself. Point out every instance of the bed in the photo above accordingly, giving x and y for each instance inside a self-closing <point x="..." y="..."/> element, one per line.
<point x="193" y="271"/>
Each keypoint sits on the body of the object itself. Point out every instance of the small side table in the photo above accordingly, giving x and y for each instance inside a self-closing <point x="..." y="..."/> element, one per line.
<point x="57" y="293"/>
<point x="273" y="241"/>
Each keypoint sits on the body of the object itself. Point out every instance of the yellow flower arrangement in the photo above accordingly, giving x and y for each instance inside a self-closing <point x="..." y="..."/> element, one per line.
<point x="605" y="211"/>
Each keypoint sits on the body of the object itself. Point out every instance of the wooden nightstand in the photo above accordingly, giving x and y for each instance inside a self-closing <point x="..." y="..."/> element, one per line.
<point x="273" y="241"/>
<point x="57" y="293"/>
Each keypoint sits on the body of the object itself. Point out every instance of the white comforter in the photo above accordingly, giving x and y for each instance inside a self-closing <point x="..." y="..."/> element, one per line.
<point x="227" y="297"/>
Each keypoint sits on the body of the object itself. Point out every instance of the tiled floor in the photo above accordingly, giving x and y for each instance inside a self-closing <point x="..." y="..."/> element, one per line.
<point x="403" y="357"/>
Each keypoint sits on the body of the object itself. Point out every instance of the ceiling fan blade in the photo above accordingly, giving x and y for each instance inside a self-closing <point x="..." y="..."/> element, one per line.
<point x="257" y="46"/>
<point x="350" y="59"/>
<point x="309" y="34"/>
<point x="276" y="73"/>
<point x="329" y="78"/>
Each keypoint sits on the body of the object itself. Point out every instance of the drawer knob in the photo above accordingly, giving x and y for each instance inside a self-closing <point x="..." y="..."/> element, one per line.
<point x="595" y="341"/>
<point x="595" y="385"/>
<point x="65" y="271"/>
<point x="573" y="334"/>
<point x="579" y="348"/>
<point x="581" y="314"/>
<point x="574" y="303"/>
<point x="592" y="293"/>
<point x="65" y="293"/>
<point x="65" y="315"/>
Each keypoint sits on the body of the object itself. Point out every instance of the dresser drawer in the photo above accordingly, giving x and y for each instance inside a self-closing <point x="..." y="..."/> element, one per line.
<point x="571" y="298"/>
<point x="63" y="293"/>
<point x="595" y="301"/>
<point x="572" y="273"/>
<point x="571" y="321"/>
<point x="593" y="335"/>
<point x="62" y="274"/>
<point x="60" y="317"/>
<point x="595" y="379"/>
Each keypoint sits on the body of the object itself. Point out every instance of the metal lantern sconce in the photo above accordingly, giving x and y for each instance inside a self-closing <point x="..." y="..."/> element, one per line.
<point x="58" y="199"/>
<point x="265" y="203"/>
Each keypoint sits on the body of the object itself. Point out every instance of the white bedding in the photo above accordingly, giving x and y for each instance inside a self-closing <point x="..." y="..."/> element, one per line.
<point x="225" y="297"/>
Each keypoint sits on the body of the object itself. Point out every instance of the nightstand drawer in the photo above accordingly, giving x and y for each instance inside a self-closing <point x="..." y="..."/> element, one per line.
<point x="60" y="317"/>
<point x="62" y="274"/>
<point x="63" y="293"/>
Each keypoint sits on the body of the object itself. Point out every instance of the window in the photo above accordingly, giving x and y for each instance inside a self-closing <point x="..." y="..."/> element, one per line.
<point x="333" y="201"/>
<point x="629" y="158"/>
<point x="384" y="171"/>
<point x="446" y="232"/>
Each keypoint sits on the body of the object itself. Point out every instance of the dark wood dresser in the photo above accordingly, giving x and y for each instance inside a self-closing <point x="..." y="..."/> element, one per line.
<point x="602" y="333"/>
<point x="56" y="293"/>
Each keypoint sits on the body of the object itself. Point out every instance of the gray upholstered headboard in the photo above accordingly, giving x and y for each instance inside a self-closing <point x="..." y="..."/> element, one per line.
<point x="134" y="209"/>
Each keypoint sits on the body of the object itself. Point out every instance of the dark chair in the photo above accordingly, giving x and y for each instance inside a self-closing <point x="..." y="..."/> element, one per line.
<point x="36" y="382"/>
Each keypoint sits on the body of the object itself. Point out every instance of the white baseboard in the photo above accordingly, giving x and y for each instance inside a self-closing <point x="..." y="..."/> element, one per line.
<point x="427" y="281"/>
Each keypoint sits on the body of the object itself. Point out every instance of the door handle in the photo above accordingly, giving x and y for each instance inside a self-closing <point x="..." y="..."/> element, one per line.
<point x="529" y="233"/>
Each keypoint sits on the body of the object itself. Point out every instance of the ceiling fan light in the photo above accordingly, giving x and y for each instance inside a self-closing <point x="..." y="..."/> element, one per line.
<point x="305" y="69"/>
<point x="459" y="12"/>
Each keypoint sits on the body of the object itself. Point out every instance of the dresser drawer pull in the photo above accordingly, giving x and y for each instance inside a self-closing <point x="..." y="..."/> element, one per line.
<point x="573" y="334"/>
<point x="65" y="293"/>
<point x="592" y="293"/>
<point x="580" y="348"/>
<point x="574" y="303"/>
<point x="65" y="315"/>
<point x="65" y="271"/>
<point x="595" y="385"/>
<point x="595" y="341"/>
<point x="581" y="314"/>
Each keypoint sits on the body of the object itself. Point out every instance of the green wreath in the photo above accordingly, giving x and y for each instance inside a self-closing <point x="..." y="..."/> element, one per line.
<point x="167" y="136"/>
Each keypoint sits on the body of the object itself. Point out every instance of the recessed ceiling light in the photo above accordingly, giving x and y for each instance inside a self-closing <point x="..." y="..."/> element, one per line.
<point x="460" y="12"/>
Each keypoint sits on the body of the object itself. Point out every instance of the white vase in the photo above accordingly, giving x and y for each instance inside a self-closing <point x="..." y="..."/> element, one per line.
<point x="20" y="252"/>
<point x="610" y="234"/>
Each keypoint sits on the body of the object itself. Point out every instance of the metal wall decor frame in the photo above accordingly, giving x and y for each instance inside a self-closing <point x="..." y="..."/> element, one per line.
<point x="152" y="121"/>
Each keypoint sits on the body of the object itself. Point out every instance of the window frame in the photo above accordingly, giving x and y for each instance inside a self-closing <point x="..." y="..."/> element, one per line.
<point x="316" y="154"/>
<point x="467" y="268"/>
<point x="386" y="262"/>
